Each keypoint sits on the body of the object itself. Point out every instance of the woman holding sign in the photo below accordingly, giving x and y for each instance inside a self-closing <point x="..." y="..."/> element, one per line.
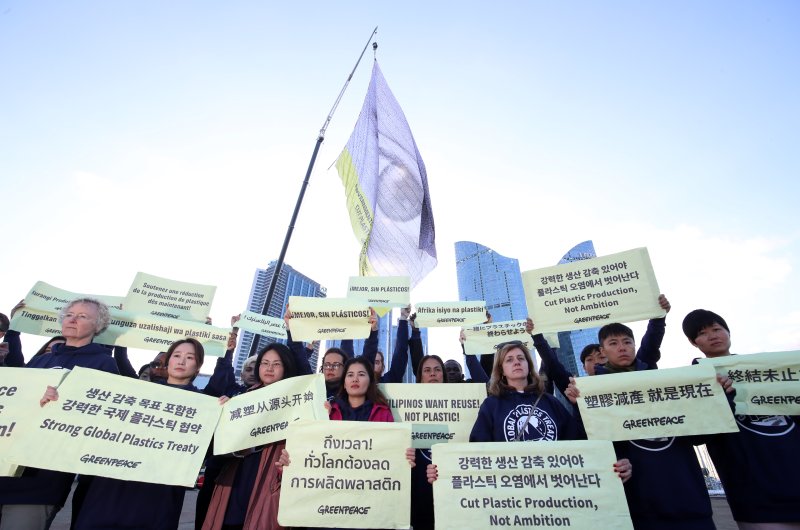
<point x="248" y="490"/>
<point x="518" y="409"/>
<point x="112" y="503"/>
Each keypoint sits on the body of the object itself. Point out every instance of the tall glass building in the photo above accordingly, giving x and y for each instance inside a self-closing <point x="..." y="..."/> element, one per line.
<point x="571" y="343"/>
<point x="483" y="274"/>
<point x="290" y="283"/>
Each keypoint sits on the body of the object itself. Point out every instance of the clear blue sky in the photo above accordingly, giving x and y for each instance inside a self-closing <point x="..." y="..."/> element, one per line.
<point x="172" y="137"/>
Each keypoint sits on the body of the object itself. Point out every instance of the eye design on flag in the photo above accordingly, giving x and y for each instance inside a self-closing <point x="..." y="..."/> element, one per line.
<point x="400" y="182"/>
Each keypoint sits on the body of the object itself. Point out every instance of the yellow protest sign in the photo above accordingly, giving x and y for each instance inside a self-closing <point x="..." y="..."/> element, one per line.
<point x="438" y="413"/>
<point x="346" y="474"/>
<point x="262" y="324"/>
<point x="592" y="292"/>
<point x="483" y="339"/>
<point x="36" y="322"/>
<point x="450" y="314"/>
<point x="20" y="392"/>
<point x="765" y="383"/>
<point x="42" y="305"/>
<point x="164" y="298"/>
<point x="380" y="291"/>
<point x="50" y="298"/>
<point x="533" y="485"/>
<point x="151" y="333"/>
<point x="117" y="427"/>
<point x="328" y="318"/>
<point x="263" y="416"/>
<point x="654" y="403"/>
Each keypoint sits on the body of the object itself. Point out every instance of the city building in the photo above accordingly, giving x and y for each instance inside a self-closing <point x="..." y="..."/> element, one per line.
<point x="483" y="274"/>
<point x="290" y="283"/>
<point x="571" y="343"/>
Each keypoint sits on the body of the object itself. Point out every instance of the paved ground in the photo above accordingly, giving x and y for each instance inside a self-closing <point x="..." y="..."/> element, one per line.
<point x="722" y="515"/>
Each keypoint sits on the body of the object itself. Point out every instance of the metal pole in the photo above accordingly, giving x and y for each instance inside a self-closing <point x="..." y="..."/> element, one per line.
<point x="279" y="265"/>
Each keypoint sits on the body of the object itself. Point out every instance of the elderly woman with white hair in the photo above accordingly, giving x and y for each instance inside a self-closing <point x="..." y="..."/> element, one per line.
<point x="32" y="500"/>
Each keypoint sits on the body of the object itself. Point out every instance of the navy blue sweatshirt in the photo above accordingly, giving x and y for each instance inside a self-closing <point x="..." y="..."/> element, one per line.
<point x="508" y="418"/>
<point x="42" y="486"/>
<point x="666" y="489"/>
<point x="759" y="467"/>
<point x="123" y="504"/>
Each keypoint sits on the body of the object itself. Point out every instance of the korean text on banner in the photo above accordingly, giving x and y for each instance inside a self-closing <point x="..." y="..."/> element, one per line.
<point x="438" y="413"/>
<point x="615" y="288"/>
<point x="531" y="485"/>
<point x="20" y="392"/>
<point x="328" y="318"/>
<point x="165" y="298"/>
<point x="484" y="339"/>
<point x="449" y="314"/>
<point x="351" y="474"/>
<point x="262" y="325"/>
<point x="654" y="403"/>
<point x="262" y="416"/>
<point x="386" y="189"/>
<point x="765" y="383"/>
<point x="122" y="428"/>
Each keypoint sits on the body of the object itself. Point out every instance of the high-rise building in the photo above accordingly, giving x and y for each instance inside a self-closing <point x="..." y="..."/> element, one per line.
<point x="290" y="283"/>
<point x="483" y="274"/>
<point x="571" y="343"/>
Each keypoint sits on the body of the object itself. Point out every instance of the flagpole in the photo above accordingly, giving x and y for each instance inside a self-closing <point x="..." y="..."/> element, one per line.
<point x="320" y="138"/>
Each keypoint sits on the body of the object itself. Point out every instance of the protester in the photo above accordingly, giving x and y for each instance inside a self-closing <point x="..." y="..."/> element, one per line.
<point x="400" y="357"/>
<point x="112" y="503"/>
<point x="647" y="356"/>
<point x="247" y="490"/>
<point x="32" y="501"/>
<point x="518" y="410"/>
<point x="758" y="465"/>
<point x="657" y="461"/>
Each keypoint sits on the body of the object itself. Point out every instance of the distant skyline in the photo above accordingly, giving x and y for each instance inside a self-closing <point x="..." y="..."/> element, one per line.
<point x="172" y="138"/>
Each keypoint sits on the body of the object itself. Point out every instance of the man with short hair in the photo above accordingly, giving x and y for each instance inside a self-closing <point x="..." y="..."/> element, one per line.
<point x="32" y="500"/>
<point x="759" y="466"/>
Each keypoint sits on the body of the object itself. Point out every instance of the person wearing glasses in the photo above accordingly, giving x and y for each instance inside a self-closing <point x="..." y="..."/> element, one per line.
<point x="518" y="410"/>
<point x="33" y="500"/>
<point x="247" y="490"/>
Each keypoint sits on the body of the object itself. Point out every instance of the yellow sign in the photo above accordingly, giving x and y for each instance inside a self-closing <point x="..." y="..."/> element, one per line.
<point x="531" y="485"/>
<point x="328" y="318"/>
<point x="164" y="298"/>
<point x="20" y="392"/>
<point x="346" y="474"/>
<point x="50" y="298"/>
<point x="36" y="322"/>
<point x="484" y="339"/>
<point x="262" y="416"/>
<point x="765" y="383"/>
<point x="438" y="413"/>
<point x="450" y="314"/>
<point x="380" y="291"/>
<point x="117" y="427"/>
<point x="146" y="332"/>
<point x="592" y="292"/>
<point x="654" y="403"/>
<point x="262" y="324"/>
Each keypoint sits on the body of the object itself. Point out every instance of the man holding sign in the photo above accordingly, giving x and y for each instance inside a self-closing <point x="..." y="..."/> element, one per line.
<point x="656" y="461"/>
<point x="758" y="465"/>
<point x="33" y="500"/>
